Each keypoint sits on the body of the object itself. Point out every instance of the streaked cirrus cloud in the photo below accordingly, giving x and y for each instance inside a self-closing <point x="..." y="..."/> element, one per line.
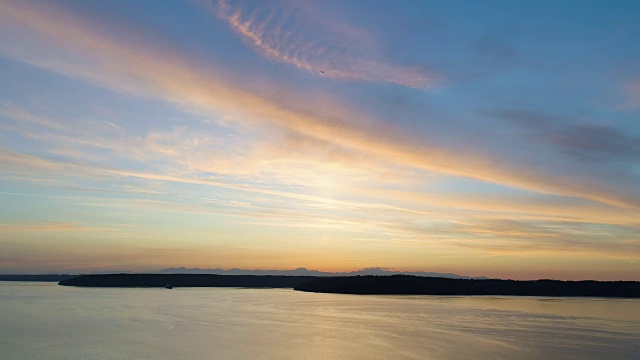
<point x="632" y="90"/>
<point x="119" y="139"/>
<point x="50" y="35"/>
<point x="297" y="34"/>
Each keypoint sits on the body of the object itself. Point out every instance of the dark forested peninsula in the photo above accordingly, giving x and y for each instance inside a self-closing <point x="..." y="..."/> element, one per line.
<point x="380" y="285"/>
<point x="415" y="285"/>
<point x="186" y="280"/>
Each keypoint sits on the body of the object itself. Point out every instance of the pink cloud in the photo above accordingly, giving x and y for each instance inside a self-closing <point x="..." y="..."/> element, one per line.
<point x="632" y="90"/>
<point x="319" y="44"/>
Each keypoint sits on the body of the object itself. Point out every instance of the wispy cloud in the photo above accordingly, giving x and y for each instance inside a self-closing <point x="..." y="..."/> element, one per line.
<point x="584" y="140"/>
<point x="48" y="227"/>
<point x="507" y="237"/>
<point x="632" y="90"/>
<point x="289" y="160"/>
<point x="297" y="34"/>
<point x="370" y="209"/>
<point x="458" y="205"/>
<point x="111" y="61"/>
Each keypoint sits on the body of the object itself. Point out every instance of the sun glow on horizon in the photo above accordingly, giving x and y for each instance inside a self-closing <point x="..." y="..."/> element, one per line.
<point x="224" y="134"/>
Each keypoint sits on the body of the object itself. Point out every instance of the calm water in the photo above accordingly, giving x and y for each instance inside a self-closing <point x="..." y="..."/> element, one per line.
<point x="47" y="321"/>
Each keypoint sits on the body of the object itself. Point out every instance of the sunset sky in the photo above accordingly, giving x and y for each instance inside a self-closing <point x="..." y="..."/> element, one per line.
<point x="485" y="138"/>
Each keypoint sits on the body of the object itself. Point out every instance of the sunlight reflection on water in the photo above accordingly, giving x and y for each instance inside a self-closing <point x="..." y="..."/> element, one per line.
<point x="46" y="321"/>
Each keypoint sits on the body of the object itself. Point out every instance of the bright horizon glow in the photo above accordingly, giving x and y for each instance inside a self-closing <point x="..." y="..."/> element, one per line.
<point x="497" y="139"/>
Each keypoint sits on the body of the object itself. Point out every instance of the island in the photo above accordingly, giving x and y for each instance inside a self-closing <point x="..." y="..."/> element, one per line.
<point x="417" y="285"/>
<point x="370" y="284"/>
<point x="186" y="280"/>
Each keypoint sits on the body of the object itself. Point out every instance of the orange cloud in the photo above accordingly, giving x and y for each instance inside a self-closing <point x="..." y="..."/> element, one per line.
<point x="49" y="36"/>
<point x="47" y="227"/>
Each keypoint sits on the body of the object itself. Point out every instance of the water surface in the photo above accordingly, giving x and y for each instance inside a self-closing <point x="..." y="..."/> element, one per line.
<point x="47" y="321"/>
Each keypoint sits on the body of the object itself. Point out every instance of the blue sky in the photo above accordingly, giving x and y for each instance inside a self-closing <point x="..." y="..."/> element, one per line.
<point x="484" y="138"/>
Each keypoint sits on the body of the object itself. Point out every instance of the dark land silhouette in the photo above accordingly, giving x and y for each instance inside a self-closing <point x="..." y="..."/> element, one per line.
<point x="43" y="278"/>
<point x="186" y="280"/>
<point x="415" y="285"/>
<point x="370" y="284"/>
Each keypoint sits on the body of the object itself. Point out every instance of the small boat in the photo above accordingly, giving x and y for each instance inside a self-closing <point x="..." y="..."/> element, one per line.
<point x="168" y="286"/>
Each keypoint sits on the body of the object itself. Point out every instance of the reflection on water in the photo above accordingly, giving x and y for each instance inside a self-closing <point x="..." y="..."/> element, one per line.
<point x="43" y="320"/>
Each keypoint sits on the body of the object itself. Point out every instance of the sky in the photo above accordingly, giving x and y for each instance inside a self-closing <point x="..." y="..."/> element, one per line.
<point x="484" y="138"/>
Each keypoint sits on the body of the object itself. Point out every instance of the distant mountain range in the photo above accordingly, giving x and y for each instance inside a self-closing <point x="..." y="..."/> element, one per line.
<point x="306" y="272"/>
<point x="295" y="272"/>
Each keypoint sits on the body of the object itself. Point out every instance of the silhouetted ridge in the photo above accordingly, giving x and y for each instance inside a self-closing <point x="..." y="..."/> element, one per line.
<point x="186" y="280"/>
<point x="306" y="272"/>
<point x="415" y="285"/>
